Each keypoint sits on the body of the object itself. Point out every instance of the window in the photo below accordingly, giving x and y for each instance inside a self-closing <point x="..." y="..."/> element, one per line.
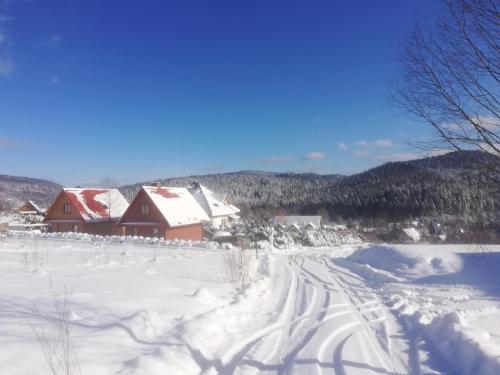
<point x="66" y="208"/>
<point x="144" y="209"/>
<point x="156" y="231"/>
<point x="75" y="228"/>
<point x="136" y="232"/>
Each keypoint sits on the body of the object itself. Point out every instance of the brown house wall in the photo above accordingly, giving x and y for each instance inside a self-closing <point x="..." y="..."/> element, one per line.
<point x="189" y="232"/>
<point x="103" y="228"/>
<point x="26" y="207"/>
<point x="133" y="215"/>
<point x="67" y="227"/>
<point x="143" y="230"/>
<point x="56" y="212"/>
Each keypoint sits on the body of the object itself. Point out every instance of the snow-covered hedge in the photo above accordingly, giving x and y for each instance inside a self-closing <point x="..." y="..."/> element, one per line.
<point x="113" y="239"/>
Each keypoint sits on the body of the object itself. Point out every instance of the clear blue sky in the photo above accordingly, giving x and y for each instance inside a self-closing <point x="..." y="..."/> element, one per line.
<point x="135" y="90"/>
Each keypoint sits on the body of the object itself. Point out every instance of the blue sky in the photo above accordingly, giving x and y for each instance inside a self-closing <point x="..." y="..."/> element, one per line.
<point x="136" y="90"/>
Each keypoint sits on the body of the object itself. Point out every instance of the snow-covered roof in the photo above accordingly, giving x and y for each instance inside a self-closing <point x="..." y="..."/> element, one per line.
<point x="215" y="205"/>
<point x="311" y="225"/>
<point x="36" y="206"/>
<point x="176" y="205"/>
<point x="296" y="227"/>
<point x="298" y="220"/>
<point x="412" y="233"/>
<point x="97" y="204"/>
<point x="221" y="234"/>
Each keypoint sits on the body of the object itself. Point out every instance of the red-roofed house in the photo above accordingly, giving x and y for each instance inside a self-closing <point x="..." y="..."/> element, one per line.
<point x="87" y="210"/>
<point x="166" y="212"/>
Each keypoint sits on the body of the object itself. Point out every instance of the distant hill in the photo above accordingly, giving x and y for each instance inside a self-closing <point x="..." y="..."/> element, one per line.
<point x="450" y="183"/>
<point x="14" y="191"/>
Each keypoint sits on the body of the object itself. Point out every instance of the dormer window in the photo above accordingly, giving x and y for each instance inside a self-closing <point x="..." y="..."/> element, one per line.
<point x="66" y="208"/>
<point x="144" y="209"/>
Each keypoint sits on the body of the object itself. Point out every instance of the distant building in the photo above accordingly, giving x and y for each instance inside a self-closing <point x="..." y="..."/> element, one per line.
<point x="87" y="210"/>
<point x="216" y="206"/>
<point x="30" y="208"/>
<point x="300" y="221"/>
<point x="164" y="212"/>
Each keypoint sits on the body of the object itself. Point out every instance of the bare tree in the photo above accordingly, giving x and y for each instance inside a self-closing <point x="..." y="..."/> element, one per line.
<point x="109" y="183"/>
<point x="451" y="74"/>
<point x="57" y="343"/>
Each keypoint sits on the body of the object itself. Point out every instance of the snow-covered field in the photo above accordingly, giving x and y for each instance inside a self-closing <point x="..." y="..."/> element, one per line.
<point x="125" y="308"/>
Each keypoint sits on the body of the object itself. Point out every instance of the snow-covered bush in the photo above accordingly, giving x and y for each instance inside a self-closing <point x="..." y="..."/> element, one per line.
<point x="237" y="265"/>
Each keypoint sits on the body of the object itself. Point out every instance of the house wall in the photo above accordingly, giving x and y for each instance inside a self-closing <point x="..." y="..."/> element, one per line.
<point x="103" y="228"/>
<point x="75" y="222"/>
<point x="67" y="227"/>
<point x="133" y="215"/>
<point x="192" y="232"/>
<point x="143" y="230"/>
<point x="26" y="207"/>
<point x="56" y="212"/>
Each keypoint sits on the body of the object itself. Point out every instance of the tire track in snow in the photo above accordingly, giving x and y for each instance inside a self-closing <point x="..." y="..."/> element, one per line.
<point x="323" y="311"/>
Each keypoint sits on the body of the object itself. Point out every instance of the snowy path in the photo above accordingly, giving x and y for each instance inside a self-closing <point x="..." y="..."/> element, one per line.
<point x="139" y="309"/>
<point x="327" y="321"/>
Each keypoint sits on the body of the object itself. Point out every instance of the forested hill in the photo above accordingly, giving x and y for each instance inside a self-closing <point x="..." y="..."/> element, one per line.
<point x="450" y="183"/>
<point x="14" y="191"/>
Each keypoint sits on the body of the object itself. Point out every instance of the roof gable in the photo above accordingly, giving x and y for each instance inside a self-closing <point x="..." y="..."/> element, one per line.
<point x="214" y="204"/>
<point x="97" y="204"/>
<point x="176" y="205"/>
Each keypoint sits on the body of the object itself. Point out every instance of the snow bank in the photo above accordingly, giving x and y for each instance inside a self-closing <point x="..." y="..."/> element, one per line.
<point x="410" y="261"/>
<point x="469" y="349"/>
<point x="139" y="240"/>
<point x="134" y="309"/>
<point x="442" y="294"/>
<point x="412" y="233"/>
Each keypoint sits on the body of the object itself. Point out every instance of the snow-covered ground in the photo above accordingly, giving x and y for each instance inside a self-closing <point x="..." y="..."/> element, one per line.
<point x="148" y="308"/>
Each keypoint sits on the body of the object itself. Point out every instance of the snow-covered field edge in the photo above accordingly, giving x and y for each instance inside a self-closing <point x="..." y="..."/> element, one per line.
<point x="445" y="297"/>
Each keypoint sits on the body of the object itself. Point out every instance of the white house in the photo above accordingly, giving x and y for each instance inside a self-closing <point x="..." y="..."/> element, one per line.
<point x="216" y="206"/>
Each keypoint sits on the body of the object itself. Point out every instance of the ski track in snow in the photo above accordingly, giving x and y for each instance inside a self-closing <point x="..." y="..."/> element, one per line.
<point x="370" y="310"/>
<point x="328" y="322"/>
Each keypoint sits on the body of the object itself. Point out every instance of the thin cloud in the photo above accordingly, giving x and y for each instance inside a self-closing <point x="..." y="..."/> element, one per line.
<point x="361" y="153"/>
<point x="52" y="41"/>
<point x="316" y="155"/>
<point x="278" y="159"/>
<point x="6" y="65"/>
<point x="342" y="146"/>
<point x="408" y="155"/>
<point x="383" y="143"/>
<point x="6" y="61"/>
<point x="54" y="79"/>
<point x="5" y="142"/>
<point x="362" y="143"/>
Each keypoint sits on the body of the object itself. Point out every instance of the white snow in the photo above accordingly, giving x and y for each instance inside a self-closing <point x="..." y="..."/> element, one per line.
<point x="300" y="221"/>
<point x="446" y="295"/>
<point x="132" y="309"/>
<point x="412" y="233"/>
<point x="106" y="204"/>
<point x="147" y="306"/>
<point x="213" y="204"/>
<point x="176" y="205"/>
